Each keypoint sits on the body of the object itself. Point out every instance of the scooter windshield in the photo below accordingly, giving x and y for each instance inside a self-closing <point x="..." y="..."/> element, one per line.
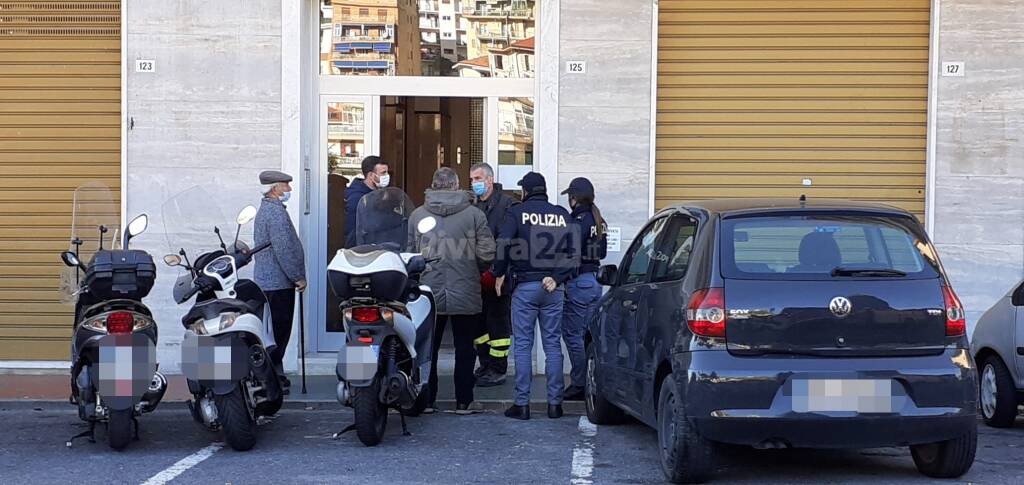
<point x="95" y="225"/>
<point x="383" y="218"/>
<point x="190" y="218"/>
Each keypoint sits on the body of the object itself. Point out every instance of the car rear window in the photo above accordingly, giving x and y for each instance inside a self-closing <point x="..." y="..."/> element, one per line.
<point x="814" y="246"/>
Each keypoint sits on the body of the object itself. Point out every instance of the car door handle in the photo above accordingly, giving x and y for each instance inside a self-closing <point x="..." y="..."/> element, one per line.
<point x="629" y="305"/>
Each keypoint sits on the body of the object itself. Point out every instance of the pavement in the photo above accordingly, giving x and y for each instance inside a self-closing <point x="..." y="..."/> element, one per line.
<point x="320" y="389"/>
<point x="484" y="448"/>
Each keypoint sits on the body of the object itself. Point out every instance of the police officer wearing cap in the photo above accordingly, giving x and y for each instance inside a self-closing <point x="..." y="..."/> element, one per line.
<point x="537" y="250"/>
<point x="583" y="291"/>
<point x="281" y="270"/>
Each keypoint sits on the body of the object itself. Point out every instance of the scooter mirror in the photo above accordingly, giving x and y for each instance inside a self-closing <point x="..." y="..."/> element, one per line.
<point x="247" y="214"/>
<point x="172" y="260"/>
<point x="138" y="225"/>
<point x="426" y="224"/>
<point x="70" y="259"/>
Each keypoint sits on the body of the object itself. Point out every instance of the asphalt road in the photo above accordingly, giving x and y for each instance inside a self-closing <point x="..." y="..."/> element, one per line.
<point x="486" y="448"/>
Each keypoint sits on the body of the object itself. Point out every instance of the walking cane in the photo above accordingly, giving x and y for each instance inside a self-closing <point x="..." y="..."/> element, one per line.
<point x="302" y="337"/>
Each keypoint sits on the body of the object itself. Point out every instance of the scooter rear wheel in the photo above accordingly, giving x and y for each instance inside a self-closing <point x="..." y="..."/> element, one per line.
<point x="238" y="425"/>
<point x="119" y="428"/>
<point x="371" y="414"/>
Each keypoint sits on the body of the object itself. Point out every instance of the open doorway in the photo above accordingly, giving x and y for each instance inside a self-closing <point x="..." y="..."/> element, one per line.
<point x="416" y="135"/>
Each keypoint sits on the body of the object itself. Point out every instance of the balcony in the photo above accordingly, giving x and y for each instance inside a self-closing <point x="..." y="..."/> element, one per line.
<point x="488" y="34"/>
<point x="363" y="56"/>
<point x="488" y="12"/>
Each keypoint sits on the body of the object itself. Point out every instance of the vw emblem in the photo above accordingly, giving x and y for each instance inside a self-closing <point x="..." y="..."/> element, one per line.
<point x="840" y="306"/>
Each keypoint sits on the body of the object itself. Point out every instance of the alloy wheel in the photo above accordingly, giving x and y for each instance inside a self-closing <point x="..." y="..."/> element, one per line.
<point x="989" y="391"/>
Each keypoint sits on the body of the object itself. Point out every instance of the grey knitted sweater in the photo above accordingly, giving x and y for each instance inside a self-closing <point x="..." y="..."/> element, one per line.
<point x="283" y="264"/>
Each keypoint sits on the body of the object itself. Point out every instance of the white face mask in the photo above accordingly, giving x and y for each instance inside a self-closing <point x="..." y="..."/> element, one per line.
<point x="285" y="196"/>
<point x="383" y="180"/>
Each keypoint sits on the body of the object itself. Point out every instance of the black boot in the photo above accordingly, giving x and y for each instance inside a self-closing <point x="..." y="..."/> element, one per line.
<point x="518" y="412"/>
<point x="574" y="394"/>
<point x="555" y="411"/>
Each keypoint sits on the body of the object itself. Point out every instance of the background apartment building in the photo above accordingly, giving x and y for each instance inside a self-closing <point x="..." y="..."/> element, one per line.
<point x="495" y="24"/>
<point x="442" y="36"/>
<point x="374" y="38"/>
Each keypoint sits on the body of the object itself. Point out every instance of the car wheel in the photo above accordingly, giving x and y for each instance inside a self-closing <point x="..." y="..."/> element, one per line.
<point x="599" y="410"/>
<point x="946" y="459"/>
<point x="997" y="393"/>
<point x="686" y="457"/>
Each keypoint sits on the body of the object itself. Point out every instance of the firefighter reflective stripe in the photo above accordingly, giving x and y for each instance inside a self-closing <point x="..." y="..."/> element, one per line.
<point x="499" y="353"/>
<point x="501" y="342"/>
<point x="482" y="339"/>
<point x="778" y="98"/>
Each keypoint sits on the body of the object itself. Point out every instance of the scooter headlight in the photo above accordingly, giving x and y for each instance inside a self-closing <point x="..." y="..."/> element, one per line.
<point x="227" y="320"/>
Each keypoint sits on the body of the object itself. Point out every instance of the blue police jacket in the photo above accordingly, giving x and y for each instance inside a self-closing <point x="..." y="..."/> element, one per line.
<point x="538" y="239"/>
<point x="593" y="240"/>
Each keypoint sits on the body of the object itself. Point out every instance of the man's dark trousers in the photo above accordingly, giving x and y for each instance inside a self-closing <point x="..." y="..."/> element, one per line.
<point x="282" y="310"/>
<point x="494" y="349"/>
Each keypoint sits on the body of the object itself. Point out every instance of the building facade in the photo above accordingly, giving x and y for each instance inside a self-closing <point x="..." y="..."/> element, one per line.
<point x="684" y="99"/>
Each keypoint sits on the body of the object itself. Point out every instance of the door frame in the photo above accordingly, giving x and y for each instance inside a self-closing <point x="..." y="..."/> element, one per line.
<point x="318" y="288"/>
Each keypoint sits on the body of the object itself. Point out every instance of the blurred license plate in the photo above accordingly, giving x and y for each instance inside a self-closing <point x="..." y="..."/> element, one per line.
<point x="838" y="395"/>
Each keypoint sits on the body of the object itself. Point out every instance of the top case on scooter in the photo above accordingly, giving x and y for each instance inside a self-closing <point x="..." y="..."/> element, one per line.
<point x="121" y="274"/>
<point x="368" y="272"/>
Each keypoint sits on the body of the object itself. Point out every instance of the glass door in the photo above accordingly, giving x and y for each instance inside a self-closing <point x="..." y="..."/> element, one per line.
<point x="348" y="133"/>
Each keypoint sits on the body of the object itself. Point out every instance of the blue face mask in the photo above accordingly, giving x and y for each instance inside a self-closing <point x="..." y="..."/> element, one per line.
<point x="285" y="196"/>
<point x="480" y="188"/>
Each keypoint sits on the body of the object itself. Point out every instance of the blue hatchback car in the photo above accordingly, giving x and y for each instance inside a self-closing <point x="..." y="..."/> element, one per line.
<point x="784" y="323"/>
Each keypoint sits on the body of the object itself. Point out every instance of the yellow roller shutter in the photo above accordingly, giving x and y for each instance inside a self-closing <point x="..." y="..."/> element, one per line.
<point x="757" y="98"/>
<point x="60" y="103"/>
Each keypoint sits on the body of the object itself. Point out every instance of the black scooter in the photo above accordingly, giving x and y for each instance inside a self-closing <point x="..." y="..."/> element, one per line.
<point x="114" y="376"/>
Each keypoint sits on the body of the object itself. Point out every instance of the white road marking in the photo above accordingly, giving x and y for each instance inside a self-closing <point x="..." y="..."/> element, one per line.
<point x="583" y="454"/>
<point x="183" y="465"/>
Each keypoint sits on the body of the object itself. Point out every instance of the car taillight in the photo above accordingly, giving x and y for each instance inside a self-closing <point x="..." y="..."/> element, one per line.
<point x="956" y="320"/>
<point x="120" y="323"/>
<point x="705" y="315"/>
<point x="366" y="314"/>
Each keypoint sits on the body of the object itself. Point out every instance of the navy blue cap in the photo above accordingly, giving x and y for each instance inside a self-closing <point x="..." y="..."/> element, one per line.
<point x="533" y="183"/>
<point x="580" y="187"/>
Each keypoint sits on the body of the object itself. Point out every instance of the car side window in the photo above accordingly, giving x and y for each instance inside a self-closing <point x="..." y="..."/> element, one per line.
<point x="677" y="246"/>
<point x="642" y="252"/>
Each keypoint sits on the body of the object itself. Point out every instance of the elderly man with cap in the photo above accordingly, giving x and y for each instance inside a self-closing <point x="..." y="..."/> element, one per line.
<point x="538" y="252"/>
<point x="281" y="270"/>
<point x="583" y="290"/>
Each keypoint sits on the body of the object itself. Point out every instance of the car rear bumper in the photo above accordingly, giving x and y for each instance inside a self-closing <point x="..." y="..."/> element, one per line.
<point x="752" y="401"/>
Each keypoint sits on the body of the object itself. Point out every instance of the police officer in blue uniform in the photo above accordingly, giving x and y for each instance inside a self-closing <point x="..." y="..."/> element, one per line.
<point x="538" y="251"/>
<point x="583" y="291"/>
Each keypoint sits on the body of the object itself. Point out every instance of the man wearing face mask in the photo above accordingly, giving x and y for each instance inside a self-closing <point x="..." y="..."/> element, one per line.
<point x="375" y="176"/>
<point x="492" y="346"/>
<point x="280" y="270"/>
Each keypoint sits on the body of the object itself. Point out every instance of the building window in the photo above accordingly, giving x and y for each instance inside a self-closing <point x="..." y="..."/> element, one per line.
<point x="346" y="12"/>
<point x="382" y="14"/>
<point x="499" y="62"/>
<point x="449" y="51"/>
<point x="364" y="12"/>
<point x="446" y="17"/>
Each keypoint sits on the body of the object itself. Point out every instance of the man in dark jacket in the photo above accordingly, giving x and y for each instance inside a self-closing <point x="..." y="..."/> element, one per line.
<point x="492" y="346"/>
<point x="375" y="176"/>
<point x="462" y="245"/>
<point x="281" y="269"/>
<point x="537" y="249"/>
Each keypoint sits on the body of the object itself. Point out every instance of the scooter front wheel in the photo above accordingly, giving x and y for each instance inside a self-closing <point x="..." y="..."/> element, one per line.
<point x="371" y="414"/>
<point x="238" y="425"/>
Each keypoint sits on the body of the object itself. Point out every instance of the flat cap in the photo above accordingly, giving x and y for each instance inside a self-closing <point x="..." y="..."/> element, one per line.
<point x="533" y="182"/>
<point x="274" y="177"/>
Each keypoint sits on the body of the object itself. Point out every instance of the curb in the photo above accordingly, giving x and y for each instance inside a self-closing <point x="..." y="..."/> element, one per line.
<point x="570" y="407"/>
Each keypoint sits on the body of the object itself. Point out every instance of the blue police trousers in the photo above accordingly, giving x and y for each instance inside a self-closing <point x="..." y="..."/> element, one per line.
<point x="581" y="294"/>
<point x="530" y="303"/>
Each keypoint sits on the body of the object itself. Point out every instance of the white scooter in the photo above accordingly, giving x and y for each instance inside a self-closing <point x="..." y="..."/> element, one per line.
<point x="389" y="328"/>
<point x="228" y="340"/>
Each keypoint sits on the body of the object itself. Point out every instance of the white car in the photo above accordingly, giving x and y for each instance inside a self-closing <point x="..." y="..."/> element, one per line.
<point x="998" y="348"/>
